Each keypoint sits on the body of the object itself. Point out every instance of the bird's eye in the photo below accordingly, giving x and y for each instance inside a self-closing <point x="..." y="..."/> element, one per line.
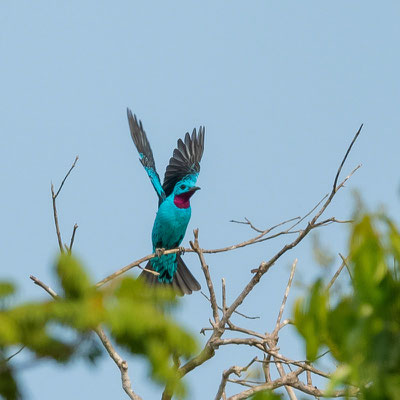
<point x="183" y="187"/>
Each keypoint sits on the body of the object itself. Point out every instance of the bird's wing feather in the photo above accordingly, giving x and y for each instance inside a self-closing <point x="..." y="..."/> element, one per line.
<point x="146" y="154"/>
<point x="185" y="160"/>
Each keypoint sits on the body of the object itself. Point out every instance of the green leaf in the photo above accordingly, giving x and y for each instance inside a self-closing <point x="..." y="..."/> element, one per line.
<point x="310" y="317"/>
<point x="6" y="289"/>
<point x="72" y="276"/>
<point x="362" y="330"/>
<point x="266" y="395"/>
<point x="8" y="385"/>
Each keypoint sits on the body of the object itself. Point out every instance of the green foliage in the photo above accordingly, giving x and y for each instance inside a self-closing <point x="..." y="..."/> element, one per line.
<point x="311" y="317"/>
<point x="141" y="323"/>
<point x="8" y="384"/>
<point x="362" y="330"/>
<point x="137" y="318"/>
<point x="6" y="289"/>
<point x="73" y="278"/>
<point x="266" y="395"/>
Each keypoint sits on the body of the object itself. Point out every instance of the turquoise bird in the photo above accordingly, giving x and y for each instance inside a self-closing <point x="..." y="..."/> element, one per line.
<point x="174" y="209"/>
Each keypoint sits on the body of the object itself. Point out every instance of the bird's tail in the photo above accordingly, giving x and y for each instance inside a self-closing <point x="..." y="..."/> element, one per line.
<point x="183" y="282"/>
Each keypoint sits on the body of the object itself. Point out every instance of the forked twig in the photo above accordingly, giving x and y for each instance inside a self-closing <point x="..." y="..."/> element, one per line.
<point x="54" y="197"/>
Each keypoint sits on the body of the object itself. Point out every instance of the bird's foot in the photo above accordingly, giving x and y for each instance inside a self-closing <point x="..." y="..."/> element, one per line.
<point x="159" y="251"/>
<point x="181" y="251"/>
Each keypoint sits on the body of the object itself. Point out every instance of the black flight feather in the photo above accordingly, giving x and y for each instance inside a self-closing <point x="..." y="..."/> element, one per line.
<point x="185" y="159"/>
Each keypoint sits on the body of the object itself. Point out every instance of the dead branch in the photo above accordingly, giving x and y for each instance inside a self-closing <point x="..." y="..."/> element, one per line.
<point x="226" y="374"/>
<point x="221" y="309"/>
<point x="277" y="383"/>
<point x="72" y="238"/>
<point x="278" y="321"/>
<point x="48" y="289"/>
<point x="14" y="354"/>
<point x="219" y="328"/>
<point x="195" y="246"/>
<point x="121" y="364"/>
<point x="337" y="273"/>
<point x="54" y="197"/>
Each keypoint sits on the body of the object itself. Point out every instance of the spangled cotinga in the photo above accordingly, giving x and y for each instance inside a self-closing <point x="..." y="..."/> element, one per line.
<point x="174" y="204"/>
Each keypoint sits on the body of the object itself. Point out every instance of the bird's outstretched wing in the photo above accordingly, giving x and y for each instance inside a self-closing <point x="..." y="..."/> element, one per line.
<point x="146" y="154"/>
<point x="185" y="161"/>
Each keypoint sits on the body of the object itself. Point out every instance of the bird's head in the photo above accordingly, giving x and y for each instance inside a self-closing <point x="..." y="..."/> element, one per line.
<point x="183" y="191"/>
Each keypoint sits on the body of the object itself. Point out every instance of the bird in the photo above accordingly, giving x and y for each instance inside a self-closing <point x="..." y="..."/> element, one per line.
<point x="174" y="210"/>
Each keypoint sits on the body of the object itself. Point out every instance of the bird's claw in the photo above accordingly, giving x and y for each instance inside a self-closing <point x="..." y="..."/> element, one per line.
<point x="159" y="251"/>
<point x="181" y="251"/>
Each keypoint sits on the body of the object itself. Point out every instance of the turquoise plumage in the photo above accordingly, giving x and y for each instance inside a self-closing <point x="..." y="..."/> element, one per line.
<point x="174" y="210"/>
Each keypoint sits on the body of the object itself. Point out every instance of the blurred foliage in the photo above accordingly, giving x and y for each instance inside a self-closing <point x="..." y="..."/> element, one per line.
<point x="137" y="318"/>
<point x="266" y="395"/>
<point x="361" y="330"/>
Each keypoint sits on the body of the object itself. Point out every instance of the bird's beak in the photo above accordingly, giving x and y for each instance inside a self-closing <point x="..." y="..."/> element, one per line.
<point x="194" y="188"/>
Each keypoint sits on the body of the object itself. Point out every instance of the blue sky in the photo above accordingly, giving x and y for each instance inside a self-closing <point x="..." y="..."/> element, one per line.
<point x="281" y="88"/>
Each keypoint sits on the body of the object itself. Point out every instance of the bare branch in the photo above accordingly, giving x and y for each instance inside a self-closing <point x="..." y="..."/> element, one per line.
<point x="121" y="364"/>
<point x="347" y="266"/>
<point x="236" y="312"/>
<point x="334" y="189"/>
<point x="48" y="289"/>
<point x="204" y="266"/>
<point x="72" y="238"/>
<point x="66" y="176"/>
<point x="278" y="321"/>
<point x="282" y="374"/>
<point x="247" y="222"/>
<point x="266" y="368"/>
<point x="14" y="354"/>
<point x="309" y="378"/>
<point x="286" y="380"/>
<point x="337" y="273"/>
<point x="314" y="391"/>
<point x="54" y="197"/>
<point x="223" y="296"/>
<point x="264" y="266"/>
<point x="226" y="374"/>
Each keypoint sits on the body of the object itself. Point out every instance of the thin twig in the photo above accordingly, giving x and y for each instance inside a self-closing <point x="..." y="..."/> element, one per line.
<point x="72" y="238"/>
<point x="317" y="393"/>
<point x="347" y="266"/>
<point x="289" y="284"/>
<point x="334" y="189"/>
<point x="286" y="380"/>
<point x="54" y="197"/>
<point x="236" y="312"/>
<point x="337" y="273"/>
<point x="14" y="354"/>
<point x="121" y="364"/>
<point x="226" y="374"/>
<point x="223" y="295"/>
<point x="247" y="222"/>
<point x="66" y="176"/>
<point x="48" y="289"/>
<point x="195" y="246"/>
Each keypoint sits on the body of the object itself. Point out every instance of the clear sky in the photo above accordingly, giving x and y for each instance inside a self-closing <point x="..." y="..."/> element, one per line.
<point x="281" y="88"/>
